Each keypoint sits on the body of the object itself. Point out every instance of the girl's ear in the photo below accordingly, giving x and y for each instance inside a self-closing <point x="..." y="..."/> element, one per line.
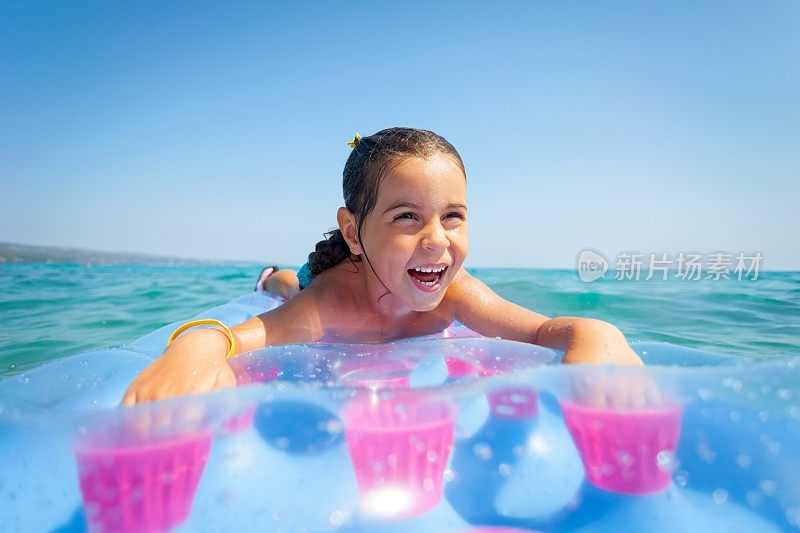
<point x="349" y="229"/>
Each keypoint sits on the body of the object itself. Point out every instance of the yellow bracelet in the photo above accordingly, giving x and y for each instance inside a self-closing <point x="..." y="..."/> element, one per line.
<point x="206" y="322"/>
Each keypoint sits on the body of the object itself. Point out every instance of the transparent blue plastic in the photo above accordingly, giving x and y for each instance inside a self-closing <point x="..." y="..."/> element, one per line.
<point x="435" y="434"/>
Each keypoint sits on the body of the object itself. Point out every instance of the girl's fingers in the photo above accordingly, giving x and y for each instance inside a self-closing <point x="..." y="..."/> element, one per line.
<point x="652" y="395"/>
<point x="591" y="391"/>
<point x="129" y="399"/>
<point x="636" y="396"/>
<point x="618" y="391"/>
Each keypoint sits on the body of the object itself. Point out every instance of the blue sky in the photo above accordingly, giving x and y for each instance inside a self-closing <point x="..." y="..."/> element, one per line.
<point x="218" y="130"/>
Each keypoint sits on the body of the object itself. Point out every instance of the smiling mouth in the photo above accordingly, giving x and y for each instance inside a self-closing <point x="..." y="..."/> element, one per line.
<point x="429" y="278"/>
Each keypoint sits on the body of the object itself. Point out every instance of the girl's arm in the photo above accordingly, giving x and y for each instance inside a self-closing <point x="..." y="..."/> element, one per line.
<point x="587" y="340"/>
<point x="583" y="340"/>
<point x="196" y="362"/>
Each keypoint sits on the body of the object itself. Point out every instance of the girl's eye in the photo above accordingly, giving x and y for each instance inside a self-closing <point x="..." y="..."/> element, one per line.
<point x="409" y="215"/>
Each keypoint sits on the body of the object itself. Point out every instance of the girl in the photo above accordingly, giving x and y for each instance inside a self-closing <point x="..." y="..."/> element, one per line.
<point x="392" y="270"/>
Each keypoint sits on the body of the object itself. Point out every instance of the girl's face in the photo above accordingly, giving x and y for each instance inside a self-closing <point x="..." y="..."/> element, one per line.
<point x="416" y="236"/>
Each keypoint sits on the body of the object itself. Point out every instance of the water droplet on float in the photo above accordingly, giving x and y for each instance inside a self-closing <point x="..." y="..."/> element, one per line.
<point x="432" y="456"/>
<point x="626" y="459"/>
<point x="334" y="426"/>
<point x="84" y="362"/>
<point x="753" y="498"/>
<point x="706" y="453"/>
<point x="483" y="450"/>
<point x="681" y="478"/>
<point x="336" y="519"/>
<point x="744" y="461"/>
<point x="720" y="496"/>
<point x="793" y="516"/>
<point x="734" y="384"/>
<point x="604" y="470"/>
<point x="705" y="394"/>
<point x="520" y="399"/>
<point x="505" y="410"/>
<point x="666" y="461"/>
<point x="504" y="469"/>
<point x="768" y="487"/>
<point x="449" y="475"/>
<point x="784" y="394"/>
<point x="428" y="484"/>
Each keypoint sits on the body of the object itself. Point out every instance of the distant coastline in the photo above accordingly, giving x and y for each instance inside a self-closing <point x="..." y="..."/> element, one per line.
<point x="14" y="253"/>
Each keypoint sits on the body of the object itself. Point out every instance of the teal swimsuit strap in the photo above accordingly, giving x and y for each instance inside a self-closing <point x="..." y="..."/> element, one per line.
<point x="304" y="276"/>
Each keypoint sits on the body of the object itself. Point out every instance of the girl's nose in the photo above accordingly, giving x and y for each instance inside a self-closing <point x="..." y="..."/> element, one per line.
<point x="435" y="236"/>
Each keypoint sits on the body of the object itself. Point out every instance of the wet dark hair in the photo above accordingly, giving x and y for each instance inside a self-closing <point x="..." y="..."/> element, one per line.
<point x="369" y="162"/>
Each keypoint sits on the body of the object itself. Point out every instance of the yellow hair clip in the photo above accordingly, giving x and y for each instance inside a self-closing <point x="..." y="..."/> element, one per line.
<point x="352" y="144"/>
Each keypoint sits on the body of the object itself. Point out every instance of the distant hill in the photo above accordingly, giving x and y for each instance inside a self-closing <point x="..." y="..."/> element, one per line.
<point x="23" y="253"/>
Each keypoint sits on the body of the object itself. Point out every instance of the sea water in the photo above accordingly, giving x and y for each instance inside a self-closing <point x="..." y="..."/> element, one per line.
<point x="51" y="311"/>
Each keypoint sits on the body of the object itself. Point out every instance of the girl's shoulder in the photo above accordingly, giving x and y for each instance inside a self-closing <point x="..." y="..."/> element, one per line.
<point x="465" y="287"/>
<point x="464" y="290"/>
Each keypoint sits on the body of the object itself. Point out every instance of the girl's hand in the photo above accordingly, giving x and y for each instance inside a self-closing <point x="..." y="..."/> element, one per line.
<point x="620" y="389"/>
<point x="599" y="343"/>
<point x="195" y="363"/>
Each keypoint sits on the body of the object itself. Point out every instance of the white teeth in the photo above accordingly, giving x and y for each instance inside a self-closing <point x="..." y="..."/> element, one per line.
<point x="429" y="270"/>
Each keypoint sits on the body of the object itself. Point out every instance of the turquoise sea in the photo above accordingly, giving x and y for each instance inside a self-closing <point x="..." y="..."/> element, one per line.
<point x="51" y="311"/>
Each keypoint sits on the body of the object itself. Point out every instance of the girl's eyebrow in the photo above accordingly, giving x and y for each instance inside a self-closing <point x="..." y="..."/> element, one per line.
<point x="401" y="204"/>
<point x="411" y="205"/>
